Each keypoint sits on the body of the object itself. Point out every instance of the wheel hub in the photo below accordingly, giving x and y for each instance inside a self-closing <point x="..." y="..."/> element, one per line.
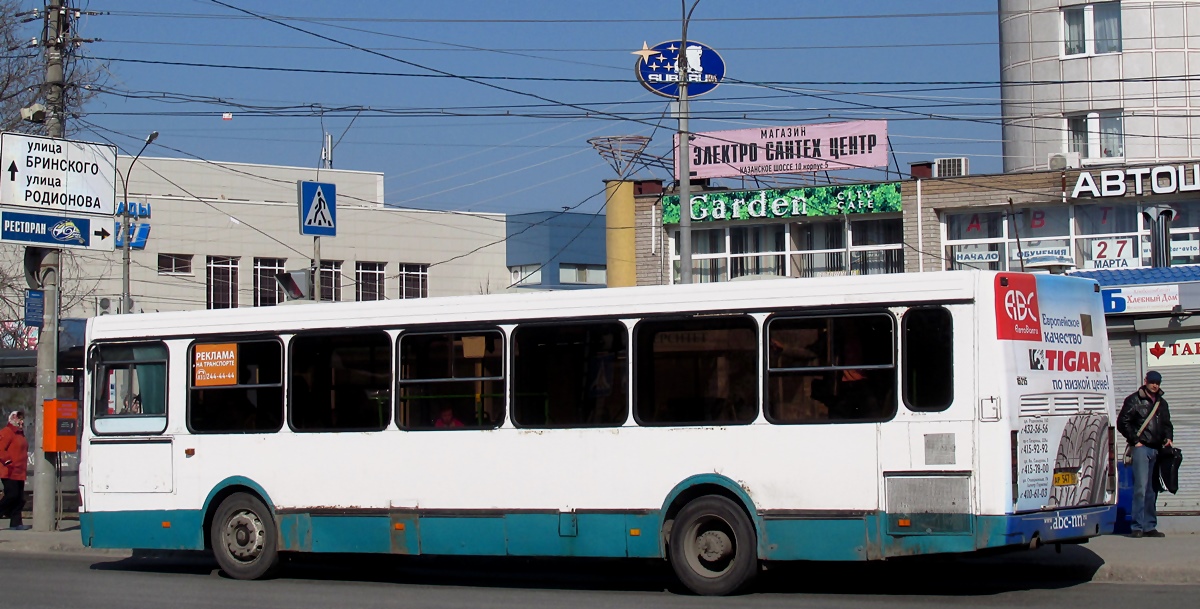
<point x="714" y="545"/>
<point x="244" y="536"/>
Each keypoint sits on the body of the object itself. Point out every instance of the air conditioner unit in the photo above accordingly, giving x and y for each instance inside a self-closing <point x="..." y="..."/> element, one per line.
<point x="1063" y="160"/>
<point x="951" y="167"/>
<point x="108" y="305"/>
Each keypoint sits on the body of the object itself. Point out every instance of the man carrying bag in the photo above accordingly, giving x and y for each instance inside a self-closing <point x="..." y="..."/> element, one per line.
<point x="1145" y="422"/>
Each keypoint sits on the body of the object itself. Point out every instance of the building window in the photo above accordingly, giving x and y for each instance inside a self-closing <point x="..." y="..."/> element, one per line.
<point x="593" y="274"/>
<point x="414" y="280"/>
<point x="331" y="280"/>
<point x="174" y="264"/>
<point x="1073" y="31"/>
<point x="1112" y="135"/>
<point x="267" y="292"/>
<point x="369" y="281"/>
<point x="1094" y="235"/>
<point x="800" y="249"/>
<point x="1077" y="135"/>
<point x="1097" y="135"/>
<point x="222" y="282"/>
<point x="1092" y="29"/>
<point x="1108" y="27"/>
<point x="526" y="274"/>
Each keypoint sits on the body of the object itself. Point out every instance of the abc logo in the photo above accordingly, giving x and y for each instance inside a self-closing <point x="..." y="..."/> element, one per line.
<point x="1017" y="305"/>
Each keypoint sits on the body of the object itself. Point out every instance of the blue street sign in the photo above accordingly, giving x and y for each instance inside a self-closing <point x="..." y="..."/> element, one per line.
<point x="658" y="68"/>
<point x="53" y="230"/>
<point x="35" y="308"/>
<point x="140" y="232"/>
<point x="318" y="209"/>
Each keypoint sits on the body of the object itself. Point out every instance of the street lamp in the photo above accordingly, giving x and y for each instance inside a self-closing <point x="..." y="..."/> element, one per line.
<point x="126" y="299"/>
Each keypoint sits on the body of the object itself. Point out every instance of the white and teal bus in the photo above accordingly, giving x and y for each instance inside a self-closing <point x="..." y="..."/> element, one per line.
<point x="716" y="426"/>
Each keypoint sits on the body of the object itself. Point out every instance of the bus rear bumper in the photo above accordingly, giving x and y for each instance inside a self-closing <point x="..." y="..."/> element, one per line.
<point x="1046" y="527"/>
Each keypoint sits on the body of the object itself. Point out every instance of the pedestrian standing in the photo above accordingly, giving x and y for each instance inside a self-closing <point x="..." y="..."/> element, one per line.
<point x="1145" y="422"/>
<point x="14" y="462"/>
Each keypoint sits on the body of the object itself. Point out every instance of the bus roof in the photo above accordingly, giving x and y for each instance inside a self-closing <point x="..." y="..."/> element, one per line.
<point x="644" y="300"/>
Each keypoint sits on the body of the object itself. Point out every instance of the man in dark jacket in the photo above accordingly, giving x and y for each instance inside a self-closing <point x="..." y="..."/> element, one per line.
<point x="1155" y="433"/>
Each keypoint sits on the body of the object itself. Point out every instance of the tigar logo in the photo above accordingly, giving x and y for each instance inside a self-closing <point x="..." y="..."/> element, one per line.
<point x="1037" y="359"/>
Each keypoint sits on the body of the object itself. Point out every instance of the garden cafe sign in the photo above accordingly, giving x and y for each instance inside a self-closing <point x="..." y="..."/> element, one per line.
<point x="1161" y="180"/>
<point x="812" y="202"/>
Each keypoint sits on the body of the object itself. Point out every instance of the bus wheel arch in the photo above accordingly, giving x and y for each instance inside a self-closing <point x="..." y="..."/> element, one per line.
<point x="242" y="533"/>
<point x="710" y="536"/>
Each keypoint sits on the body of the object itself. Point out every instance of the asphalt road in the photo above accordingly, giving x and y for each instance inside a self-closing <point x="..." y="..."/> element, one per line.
<point x="33" y="581"/>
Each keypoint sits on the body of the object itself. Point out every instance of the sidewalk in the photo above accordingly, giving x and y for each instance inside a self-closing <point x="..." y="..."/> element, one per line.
<point x="1174" y="559"/>
<point x="1111" y="558"/>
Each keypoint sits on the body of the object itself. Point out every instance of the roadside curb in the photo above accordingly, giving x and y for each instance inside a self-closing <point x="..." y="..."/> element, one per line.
<point x="1146" y="574"/>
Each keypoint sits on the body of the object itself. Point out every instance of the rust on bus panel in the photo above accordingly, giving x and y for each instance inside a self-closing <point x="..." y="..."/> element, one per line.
<point x="405" y="533"/>
<point x="295" y="532"/>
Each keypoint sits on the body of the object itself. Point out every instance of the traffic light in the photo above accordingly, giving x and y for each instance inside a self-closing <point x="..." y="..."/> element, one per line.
<point x="297" y="285"/>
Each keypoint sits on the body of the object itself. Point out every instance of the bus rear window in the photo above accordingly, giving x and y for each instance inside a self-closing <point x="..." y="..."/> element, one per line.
<point x="130" y="396"/>
<point x="928" y="359"/>
<point x="236" y="387"/>
<point x="697" y="371"/>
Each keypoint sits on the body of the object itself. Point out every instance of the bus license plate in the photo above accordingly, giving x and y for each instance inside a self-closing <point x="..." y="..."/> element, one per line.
<point x="1066" y="478"/>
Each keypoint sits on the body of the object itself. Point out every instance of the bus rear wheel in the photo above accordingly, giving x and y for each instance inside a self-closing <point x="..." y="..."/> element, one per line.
<point x="713" y="547"/>
<point x="243" y="538"/>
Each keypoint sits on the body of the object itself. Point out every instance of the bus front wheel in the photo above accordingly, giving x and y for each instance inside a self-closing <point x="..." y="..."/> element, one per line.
<point x="244" y="538"/>
<point x="713" y="547"/>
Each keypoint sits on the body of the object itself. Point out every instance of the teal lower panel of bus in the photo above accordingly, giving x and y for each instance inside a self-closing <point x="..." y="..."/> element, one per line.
<point x="864" y="536"/>
<point x="150" y="529"/>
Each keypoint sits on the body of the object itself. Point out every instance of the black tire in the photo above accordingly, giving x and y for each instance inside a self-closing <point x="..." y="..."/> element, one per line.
<point x="713" y="548"/>
<point x="244" y="539"/>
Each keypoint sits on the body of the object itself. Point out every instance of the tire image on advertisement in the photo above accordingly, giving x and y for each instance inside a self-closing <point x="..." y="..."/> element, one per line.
<point x="1082" y="451"/>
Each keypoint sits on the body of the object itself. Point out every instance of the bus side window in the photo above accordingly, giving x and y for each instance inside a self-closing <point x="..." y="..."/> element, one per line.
<point x="451" y="380"/>
<point x="236" y="387"/>
<point x="928" y="359"/>
<point x="839" y="368"/>
<point x="570" y="375"/>
<point x="130" y="395"/>
<point x="341" y="382"/>
<point x="696" y="371"/>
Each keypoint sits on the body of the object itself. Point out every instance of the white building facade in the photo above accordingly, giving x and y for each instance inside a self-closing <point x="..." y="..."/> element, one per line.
<point x="219" y="233"/>
<point x="1099" y="82"/>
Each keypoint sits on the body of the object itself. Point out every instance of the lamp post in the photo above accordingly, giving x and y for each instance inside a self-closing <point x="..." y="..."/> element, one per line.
<point x="126" y="299"/>
<point x="685" y="171"/>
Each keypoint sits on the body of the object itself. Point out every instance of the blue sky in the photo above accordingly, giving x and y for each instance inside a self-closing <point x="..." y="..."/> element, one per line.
<point x="446" y="143"/>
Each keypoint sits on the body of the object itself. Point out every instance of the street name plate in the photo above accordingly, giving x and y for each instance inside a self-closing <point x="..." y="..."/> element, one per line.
<point x="57" y="176"/>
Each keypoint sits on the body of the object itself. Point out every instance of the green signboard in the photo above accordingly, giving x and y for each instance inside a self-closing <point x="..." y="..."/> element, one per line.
<point x="813" y="202"/>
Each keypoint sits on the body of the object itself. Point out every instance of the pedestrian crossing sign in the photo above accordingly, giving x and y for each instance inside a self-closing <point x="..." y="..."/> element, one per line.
<point x="318" y="209"/>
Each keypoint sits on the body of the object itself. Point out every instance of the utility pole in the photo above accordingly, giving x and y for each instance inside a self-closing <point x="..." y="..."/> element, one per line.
<point x="685" y="168"/>
<point x="47" y="274"/>
<point x="327" y="163"/>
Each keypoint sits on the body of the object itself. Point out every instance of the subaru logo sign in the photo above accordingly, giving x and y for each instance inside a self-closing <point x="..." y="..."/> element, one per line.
<point x="658" y="68"/>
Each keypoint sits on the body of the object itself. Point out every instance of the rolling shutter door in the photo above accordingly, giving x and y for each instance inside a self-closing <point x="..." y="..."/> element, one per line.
<point x="1127" y="366"/>
<point x="1181" y="387"/>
